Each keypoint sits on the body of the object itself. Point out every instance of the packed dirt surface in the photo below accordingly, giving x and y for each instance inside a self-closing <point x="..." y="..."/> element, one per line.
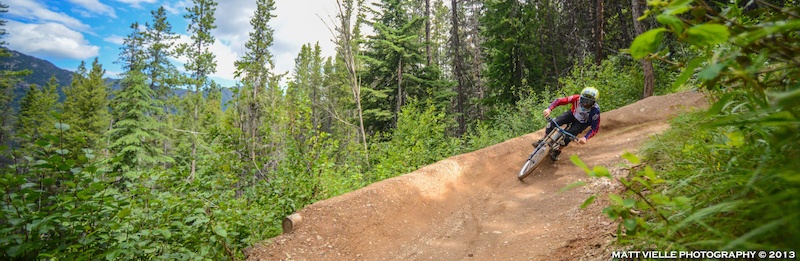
<point x="473" y="207"/>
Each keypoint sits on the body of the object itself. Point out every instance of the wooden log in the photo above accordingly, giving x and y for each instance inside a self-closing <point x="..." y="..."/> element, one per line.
<point x="291" y="222"/>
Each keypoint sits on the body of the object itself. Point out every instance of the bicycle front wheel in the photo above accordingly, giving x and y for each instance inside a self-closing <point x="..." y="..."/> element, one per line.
<point x="533" y="161"/>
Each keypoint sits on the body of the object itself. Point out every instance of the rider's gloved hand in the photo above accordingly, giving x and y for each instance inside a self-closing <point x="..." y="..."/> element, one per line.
<point x="582" y="140"/>
<point x="546" y="112"/>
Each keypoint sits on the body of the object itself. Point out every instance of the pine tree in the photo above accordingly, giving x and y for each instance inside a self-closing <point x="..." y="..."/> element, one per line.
<point x="8" y="80"/>
<point x="160" y="43"/>
<point x="305" y="89"/>
<point x="397" y="66"/>
<point x="86" y="107"/>
<point x="35" y="119"/>
<point x="135" y="129"/>
<point x="254" y="69"/>
<point x="349" y="61"/>
<point x="200" y="65"/>
<point x="161" y="73"/>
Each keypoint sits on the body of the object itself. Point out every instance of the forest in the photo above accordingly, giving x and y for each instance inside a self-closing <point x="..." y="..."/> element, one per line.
<point x="145" y="172"/>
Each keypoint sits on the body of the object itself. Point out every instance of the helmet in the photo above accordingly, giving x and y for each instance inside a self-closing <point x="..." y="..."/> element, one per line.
<point x="589" y="97"/>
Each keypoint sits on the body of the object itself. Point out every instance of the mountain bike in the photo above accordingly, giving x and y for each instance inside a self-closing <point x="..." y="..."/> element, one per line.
<point x="551" y="142"/>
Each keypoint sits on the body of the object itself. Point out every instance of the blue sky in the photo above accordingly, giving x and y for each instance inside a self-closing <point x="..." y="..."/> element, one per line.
<point x="66" y="32"/>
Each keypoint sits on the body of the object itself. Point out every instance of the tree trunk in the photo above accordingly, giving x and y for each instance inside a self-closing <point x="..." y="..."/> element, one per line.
<point x="599" y="33"/>
<point x="428" y="30"/>
<point x="346" y="41"/>
<point x="457" y="71"/>
<point x="647" y="66"/>
<point x="399" y="91"/>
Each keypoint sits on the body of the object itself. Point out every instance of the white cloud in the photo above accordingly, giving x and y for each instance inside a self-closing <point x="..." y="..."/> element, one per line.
<point x="95" y="6"/>
<point x="115" y="39"/>
<point x="178" y="7"/>
<point x="300" y="22"/>
<point x="49" y="40"/>
<point x="297" y="23"/>
<point x="136" y="3"/>
<point x="35" y="11"/>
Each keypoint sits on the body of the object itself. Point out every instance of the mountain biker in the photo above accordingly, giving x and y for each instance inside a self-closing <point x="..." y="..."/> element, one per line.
<point x="584" y="112"/>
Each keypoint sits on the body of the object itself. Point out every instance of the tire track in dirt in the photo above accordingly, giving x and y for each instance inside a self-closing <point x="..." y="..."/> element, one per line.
<point x="472" y="206"/>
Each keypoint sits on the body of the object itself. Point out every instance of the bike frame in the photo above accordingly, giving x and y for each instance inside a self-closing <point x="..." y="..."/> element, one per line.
<point x="552" y="141"/>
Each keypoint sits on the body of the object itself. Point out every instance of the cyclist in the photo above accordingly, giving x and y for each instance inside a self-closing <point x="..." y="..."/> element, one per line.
<point x="583" y="113"/>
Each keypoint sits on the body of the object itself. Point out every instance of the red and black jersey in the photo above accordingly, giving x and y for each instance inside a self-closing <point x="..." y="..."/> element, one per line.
<point x="583" y="115"/>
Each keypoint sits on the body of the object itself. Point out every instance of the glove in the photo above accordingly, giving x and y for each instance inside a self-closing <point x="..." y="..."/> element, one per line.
<point x="582" y="140"/>
<point x="546" y="112"/>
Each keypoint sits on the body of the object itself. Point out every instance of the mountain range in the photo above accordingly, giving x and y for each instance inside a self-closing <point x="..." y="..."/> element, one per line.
<point x="42" y="70"/>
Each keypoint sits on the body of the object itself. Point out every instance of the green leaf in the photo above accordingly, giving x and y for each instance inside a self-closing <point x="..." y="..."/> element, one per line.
<point x="62" y="126"/>
<point x="616" y="198"/>
<point x="588" y="201"/>
<point x="707" y="34"/>
<point x="631" y="158"/>
<point x="647" y="42"/>
<point x="48" y="181"/>
<point x="578" y="162"/>
<point x="629" y="203"/>
<point x="711" y="72"/>
<point x="84" y="194"/>
<point x="42" y="143"/>
<point x="98" y="186"/>
<point x="672" y="21"/>
<point x="688" y="71"/>
<point x="735" y="139"/>
<point x="600" y="171"/>
<point x="679" y="3"/>
<point x="124" y="213"/>
<point x="630" y="224"/>
<point x="571" y="186"/>
<point x="219" y="230"/>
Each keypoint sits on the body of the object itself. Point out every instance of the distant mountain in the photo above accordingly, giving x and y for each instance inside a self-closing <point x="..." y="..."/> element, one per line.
<point x="42" y="70"/>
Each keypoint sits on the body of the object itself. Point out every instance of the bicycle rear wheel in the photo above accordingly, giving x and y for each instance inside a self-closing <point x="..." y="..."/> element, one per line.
<point x="533" y="161"/>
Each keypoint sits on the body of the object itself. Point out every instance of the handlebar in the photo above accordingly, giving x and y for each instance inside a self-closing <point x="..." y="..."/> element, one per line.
<point x="562" y="130"/>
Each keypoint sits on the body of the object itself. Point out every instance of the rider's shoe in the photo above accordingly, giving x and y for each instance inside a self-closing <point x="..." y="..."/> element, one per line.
<point x="536" y="143"/>
<point x="554" y="155"/>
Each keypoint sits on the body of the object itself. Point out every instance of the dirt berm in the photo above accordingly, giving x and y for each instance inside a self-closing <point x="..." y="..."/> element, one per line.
<point x="473" y="207"/>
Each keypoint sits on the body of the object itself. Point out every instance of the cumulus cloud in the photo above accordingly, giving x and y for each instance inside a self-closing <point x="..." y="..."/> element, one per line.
<point x="298" y="22"/>
<point x="115" y="39"/>
<point x="136" y="3"/>
<point x="36" y="12"/>
<point x="51" y="40"/>
<point x="95" y="6"/>
<point x="177" y="7"/>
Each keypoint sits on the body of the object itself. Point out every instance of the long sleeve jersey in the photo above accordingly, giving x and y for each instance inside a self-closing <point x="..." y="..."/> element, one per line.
<point x="581" y="114"/>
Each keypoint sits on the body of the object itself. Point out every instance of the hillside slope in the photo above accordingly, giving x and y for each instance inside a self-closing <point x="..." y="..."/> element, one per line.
<point x="472" y="206"/>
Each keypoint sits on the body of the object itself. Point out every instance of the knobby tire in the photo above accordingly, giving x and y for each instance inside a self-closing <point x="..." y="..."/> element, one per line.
<point x="530" y="165"/>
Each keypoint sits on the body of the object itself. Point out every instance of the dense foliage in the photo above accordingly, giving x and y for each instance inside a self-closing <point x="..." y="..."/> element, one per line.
<point x="158" y="170"/>
<point x="724" y="179"/>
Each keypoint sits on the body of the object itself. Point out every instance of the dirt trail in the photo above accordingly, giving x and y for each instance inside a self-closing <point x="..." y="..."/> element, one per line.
<point x="472" y="207"/>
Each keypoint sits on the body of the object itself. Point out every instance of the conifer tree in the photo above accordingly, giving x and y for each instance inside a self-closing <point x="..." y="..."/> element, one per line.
<point x="135" y="129"/>
<point x="161" y="73"/>
<point x="86" y="107"/>
<point x="35" y="119"/>
<point x="8" y="79"/>
<point x="348" y="58"/>
<point x="305" y="89"/>
<point x="200" y="65"/>
<point x="254" y="69"/>
<point x="160" y="44"/>
<point x="397" y="65"/>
